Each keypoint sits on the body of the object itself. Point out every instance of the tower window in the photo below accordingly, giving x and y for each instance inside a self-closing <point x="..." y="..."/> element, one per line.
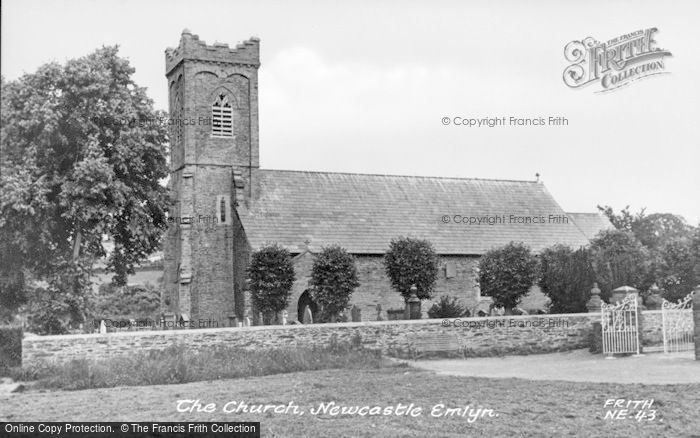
<point x="222" y="210"/>
<point x="222" y="117"/>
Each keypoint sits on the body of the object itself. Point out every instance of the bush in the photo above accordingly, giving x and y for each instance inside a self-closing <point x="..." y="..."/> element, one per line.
<point x="271" y="275"/>
<point x="137" y="302"/>
<point x="411" y="261"/>
<point x="50" y="311"/>
<point x="447" y="307"/>
<point x="566" y="277"/>
<point x="333" y="278"/>
<point x="619" y="259"/>
<point x="10" y="347"/>
<point x="506" y="274"/>
<point x="179" y="364"/>
<point x="12" y="291"/>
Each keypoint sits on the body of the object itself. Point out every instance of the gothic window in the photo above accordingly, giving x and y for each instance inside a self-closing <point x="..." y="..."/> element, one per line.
<point x="222" y="117"/>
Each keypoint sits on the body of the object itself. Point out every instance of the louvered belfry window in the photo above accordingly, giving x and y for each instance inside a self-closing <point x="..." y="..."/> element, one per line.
<point x="222" y="117"/>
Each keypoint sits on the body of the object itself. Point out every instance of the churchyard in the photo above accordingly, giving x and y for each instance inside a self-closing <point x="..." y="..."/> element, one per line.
<point x="521" y="407"/>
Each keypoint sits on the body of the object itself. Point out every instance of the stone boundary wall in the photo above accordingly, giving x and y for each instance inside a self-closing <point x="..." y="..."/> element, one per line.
<point x="484" y="336"/>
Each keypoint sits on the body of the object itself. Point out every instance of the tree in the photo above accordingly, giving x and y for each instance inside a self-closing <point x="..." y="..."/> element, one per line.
<point x="625" y="220"/>
<point x="333" y="278"/>
<point x="506" y="274"/>
<point x="670" y="259"/>
<point x="271" y="275"/>
<point x="654" y="230"/>
<point x="411" y="262"/>
<point x="677" y="268"/>
<point x="619" y="259"/>
<point x="651" y="230"/>
<point x="83" y="152"/>
<point x="566" y="277"/>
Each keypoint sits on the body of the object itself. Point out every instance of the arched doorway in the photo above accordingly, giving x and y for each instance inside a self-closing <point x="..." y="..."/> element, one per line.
<point x="305" y="301"/>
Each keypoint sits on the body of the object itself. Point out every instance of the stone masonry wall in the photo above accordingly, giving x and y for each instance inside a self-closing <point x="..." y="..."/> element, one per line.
<point x="375" y="287"/>
<point x="480" y="336"/>
<point x="652" y="328"/>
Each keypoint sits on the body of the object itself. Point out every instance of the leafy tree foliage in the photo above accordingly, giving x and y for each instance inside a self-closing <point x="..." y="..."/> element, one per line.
<point x="677" y="267"/>
<point x="654" y="230"/>
<point x="12" y="292"/>
<point x="623" y="221"/>
<point x="507" y="273"/>
<point x="619" y="259"/>
<point x="333" y="278"/>
<point x="126" y="302"/>
<point x="566" y="277"/>
<point x="651" y="230"/>
<point x="411" y="261"/>
<point x="672" y="255"/>
<point x="271" y="275"/>
<point x="447" y="307"/>
<point x="82" y="155"/>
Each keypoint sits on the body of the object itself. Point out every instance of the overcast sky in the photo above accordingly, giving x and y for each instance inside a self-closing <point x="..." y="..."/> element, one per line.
<point x="362" y="87"/>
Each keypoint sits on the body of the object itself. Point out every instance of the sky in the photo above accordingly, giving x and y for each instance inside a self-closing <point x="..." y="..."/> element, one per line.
<point x="363" y="86"/>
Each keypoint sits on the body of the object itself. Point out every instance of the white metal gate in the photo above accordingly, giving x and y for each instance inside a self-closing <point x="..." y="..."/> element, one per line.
<point x="620" y="325"/>
<point x="678" y="325"/>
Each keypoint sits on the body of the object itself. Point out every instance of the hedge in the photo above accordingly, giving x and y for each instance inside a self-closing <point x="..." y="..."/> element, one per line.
<point x="10" y="346"/>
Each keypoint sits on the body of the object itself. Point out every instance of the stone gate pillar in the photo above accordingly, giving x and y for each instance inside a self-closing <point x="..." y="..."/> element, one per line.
<point x="593" y="305"/>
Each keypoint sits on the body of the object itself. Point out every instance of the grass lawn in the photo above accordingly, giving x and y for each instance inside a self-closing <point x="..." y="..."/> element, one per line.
<point x="522" y="407"/>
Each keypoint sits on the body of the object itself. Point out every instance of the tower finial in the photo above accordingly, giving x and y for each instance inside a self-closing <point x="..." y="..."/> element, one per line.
<point x="537" y="176"/>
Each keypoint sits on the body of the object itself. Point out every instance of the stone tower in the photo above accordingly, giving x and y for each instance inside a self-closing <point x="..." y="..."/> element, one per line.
<point x="213" y="95"/>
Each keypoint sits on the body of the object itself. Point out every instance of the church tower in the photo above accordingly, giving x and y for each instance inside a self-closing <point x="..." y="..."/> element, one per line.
<point x="213" y="95"/>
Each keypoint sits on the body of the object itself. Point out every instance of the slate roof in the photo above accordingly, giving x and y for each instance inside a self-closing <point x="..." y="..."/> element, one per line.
<point x="590" y="223"/>
<point x="363" y="212"/>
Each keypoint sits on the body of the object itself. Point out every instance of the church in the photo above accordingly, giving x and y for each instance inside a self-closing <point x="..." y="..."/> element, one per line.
<point x="226" y="206"/>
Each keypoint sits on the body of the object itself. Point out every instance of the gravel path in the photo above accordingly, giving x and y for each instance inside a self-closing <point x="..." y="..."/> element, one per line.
<point x="576" y="366"/>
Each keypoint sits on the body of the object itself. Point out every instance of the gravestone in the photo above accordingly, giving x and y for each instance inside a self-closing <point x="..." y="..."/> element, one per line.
<point x="308" y="316"/>
<point x="356" y="314"/>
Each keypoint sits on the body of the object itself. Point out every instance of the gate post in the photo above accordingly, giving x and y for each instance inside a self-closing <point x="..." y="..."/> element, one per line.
<point x="696" y="320"/>
<point x="594" y="306"/>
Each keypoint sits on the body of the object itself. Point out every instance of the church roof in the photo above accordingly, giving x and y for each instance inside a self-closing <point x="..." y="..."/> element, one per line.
<point x="363" y="212"/>
<point x="590" y="224"/>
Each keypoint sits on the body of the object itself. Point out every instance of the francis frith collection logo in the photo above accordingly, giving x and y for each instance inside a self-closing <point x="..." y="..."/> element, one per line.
<point x="614" y="63"/>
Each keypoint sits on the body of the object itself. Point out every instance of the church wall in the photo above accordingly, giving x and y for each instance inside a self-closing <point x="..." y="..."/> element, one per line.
<point x="480" y="336"/>
<point x="375" y="287"/>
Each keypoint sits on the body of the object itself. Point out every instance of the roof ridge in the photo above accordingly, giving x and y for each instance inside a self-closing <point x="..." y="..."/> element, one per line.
<point x="405" y="176"/>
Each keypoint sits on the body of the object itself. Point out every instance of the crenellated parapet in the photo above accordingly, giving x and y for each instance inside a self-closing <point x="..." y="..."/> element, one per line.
<point x="191" y="47"/>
